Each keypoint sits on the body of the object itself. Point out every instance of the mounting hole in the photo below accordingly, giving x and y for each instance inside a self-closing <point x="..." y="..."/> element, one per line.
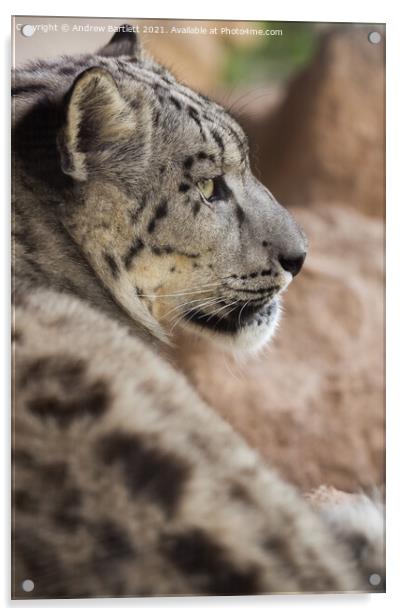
<point x="374" y="37"/>
<point x="374" y="579"/>
<point x="27" y="30"/>
<point x="28" y="585"/>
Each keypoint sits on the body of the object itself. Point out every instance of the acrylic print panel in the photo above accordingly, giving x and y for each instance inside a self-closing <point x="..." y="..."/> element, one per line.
<point x="198" y="241"/>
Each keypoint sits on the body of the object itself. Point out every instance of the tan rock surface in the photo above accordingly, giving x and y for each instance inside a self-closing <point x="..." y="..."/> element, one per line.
<point x="313" y="403"/>
<point x="326" y="141"/>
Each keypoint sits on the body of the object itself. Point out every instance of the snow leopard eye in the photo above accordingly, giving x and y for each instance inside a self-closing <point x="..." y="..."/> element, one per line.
<point x="206" y="188"/>
<point x="213" y="189"/>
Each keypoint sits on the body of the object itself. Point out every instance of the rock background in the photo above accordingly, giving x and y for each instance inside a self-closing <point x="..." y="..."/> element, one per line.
<point x="326" y="140"/>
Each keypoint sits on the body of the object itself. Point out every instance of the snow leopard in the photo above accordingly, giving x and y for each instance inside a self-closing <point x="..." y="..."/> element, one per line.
<point x="135" y="211"/>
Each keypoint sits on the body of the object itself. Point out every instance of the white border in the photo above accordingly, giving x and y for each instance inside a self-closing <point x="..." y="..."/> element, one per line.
<point x="308" y="10"/>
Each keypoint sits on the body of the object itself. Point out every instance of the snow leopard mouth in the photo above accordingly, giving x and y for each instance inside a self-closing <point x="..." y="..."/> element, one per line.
<point x="245" y="315"/>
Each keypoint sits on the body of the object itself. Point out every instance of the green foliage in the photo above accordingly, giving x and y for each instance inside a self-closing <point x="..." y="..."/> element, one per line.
<point x="270" y="58"/>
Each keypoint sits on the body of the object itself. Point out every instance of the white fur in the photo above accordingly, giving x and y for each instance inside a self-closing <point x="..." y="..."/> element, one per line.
<point x="249" y="340"/>
<point x="357" y="513"/>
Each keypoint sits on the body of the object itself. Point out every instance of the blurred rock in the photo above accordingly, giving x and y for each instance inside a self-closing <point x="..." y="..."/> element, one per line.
<point x="195" y="59"/>
<point x="325" y="142"/>
<point x="313" y="403"/>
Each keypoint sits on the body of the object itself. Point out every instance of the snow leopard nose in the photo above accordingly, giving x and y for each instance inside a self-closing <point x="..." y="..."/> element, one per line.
<point x="292" y="264"/>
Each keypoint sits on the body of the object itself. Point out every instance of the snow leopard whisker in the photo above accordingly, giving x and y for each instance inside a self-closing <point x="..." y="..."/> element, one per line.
<point x="240" y="313"/>
<point x="182" y="306"/>
<point x="215" y="312"/>
<point x="188" y="291"/>
<point x="194" y="311"/>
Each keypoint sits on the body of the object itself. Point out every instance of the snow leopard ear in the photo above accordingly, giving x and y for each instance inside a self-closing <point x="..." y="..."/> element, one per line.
<point x="123" y="43"/>
<point x="99" y="126"/>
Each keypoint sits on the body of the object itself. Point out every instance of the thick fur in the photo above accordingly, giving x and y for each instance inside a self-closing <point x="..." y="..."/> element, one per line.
<point x="125" y="482"/>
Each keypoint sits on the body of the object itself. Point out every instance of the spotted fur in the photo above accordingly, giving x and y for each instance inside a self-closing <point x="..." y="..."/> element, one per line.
<point x="125" y="482"/>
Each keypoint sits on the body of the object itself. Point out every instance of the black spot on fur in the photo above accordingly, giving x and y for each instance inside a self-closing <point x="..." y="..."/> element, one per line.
<point x="359" y="545"/>
<point x="16" y="335"/>
<point x="161" y="250"/>
<point x="112" y="543"/>
<point x="202" y="155"/>
<point x="112" y="264"/>
<point x="86" y="401"/>
<point x="36" y="270"/>
<point x="67" y="514"/>
<point x="160" y="212"/>
<point x="67" y="70"/>
<point x="135" y="214"/>
<point x="184" y="187"/>
<point x="240" y="493"/>
<point x="190" y="255"/>
<point x="240" y="214"/>
<point x="147" y="470"/>
<point x="69" y="394"/>
<point x="156" y="116"/>
<point x="188" y="162"/>
<point x="26" y="502"/>
<point x="135" y="104"/>
<point x="175" y="102"/>
<point x="55" y="473"/>
<point x="218" y="139"/>
<point x="196" y="208"/>
<point x="265" y="243"/>
<point x="209" y="565"/>
<point x="65" y="370"/>
<point x="309" y="578"/>
<point x="194" y="114"/>
<point x="281" y="549"/>
<point x="26" y="239"/>
<point x="132" y="252"/>
<point x="28" y="89"/>
<point x="266" y="272"/>
<point x="113" y="552"/>
<point x="23" y="458"/>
